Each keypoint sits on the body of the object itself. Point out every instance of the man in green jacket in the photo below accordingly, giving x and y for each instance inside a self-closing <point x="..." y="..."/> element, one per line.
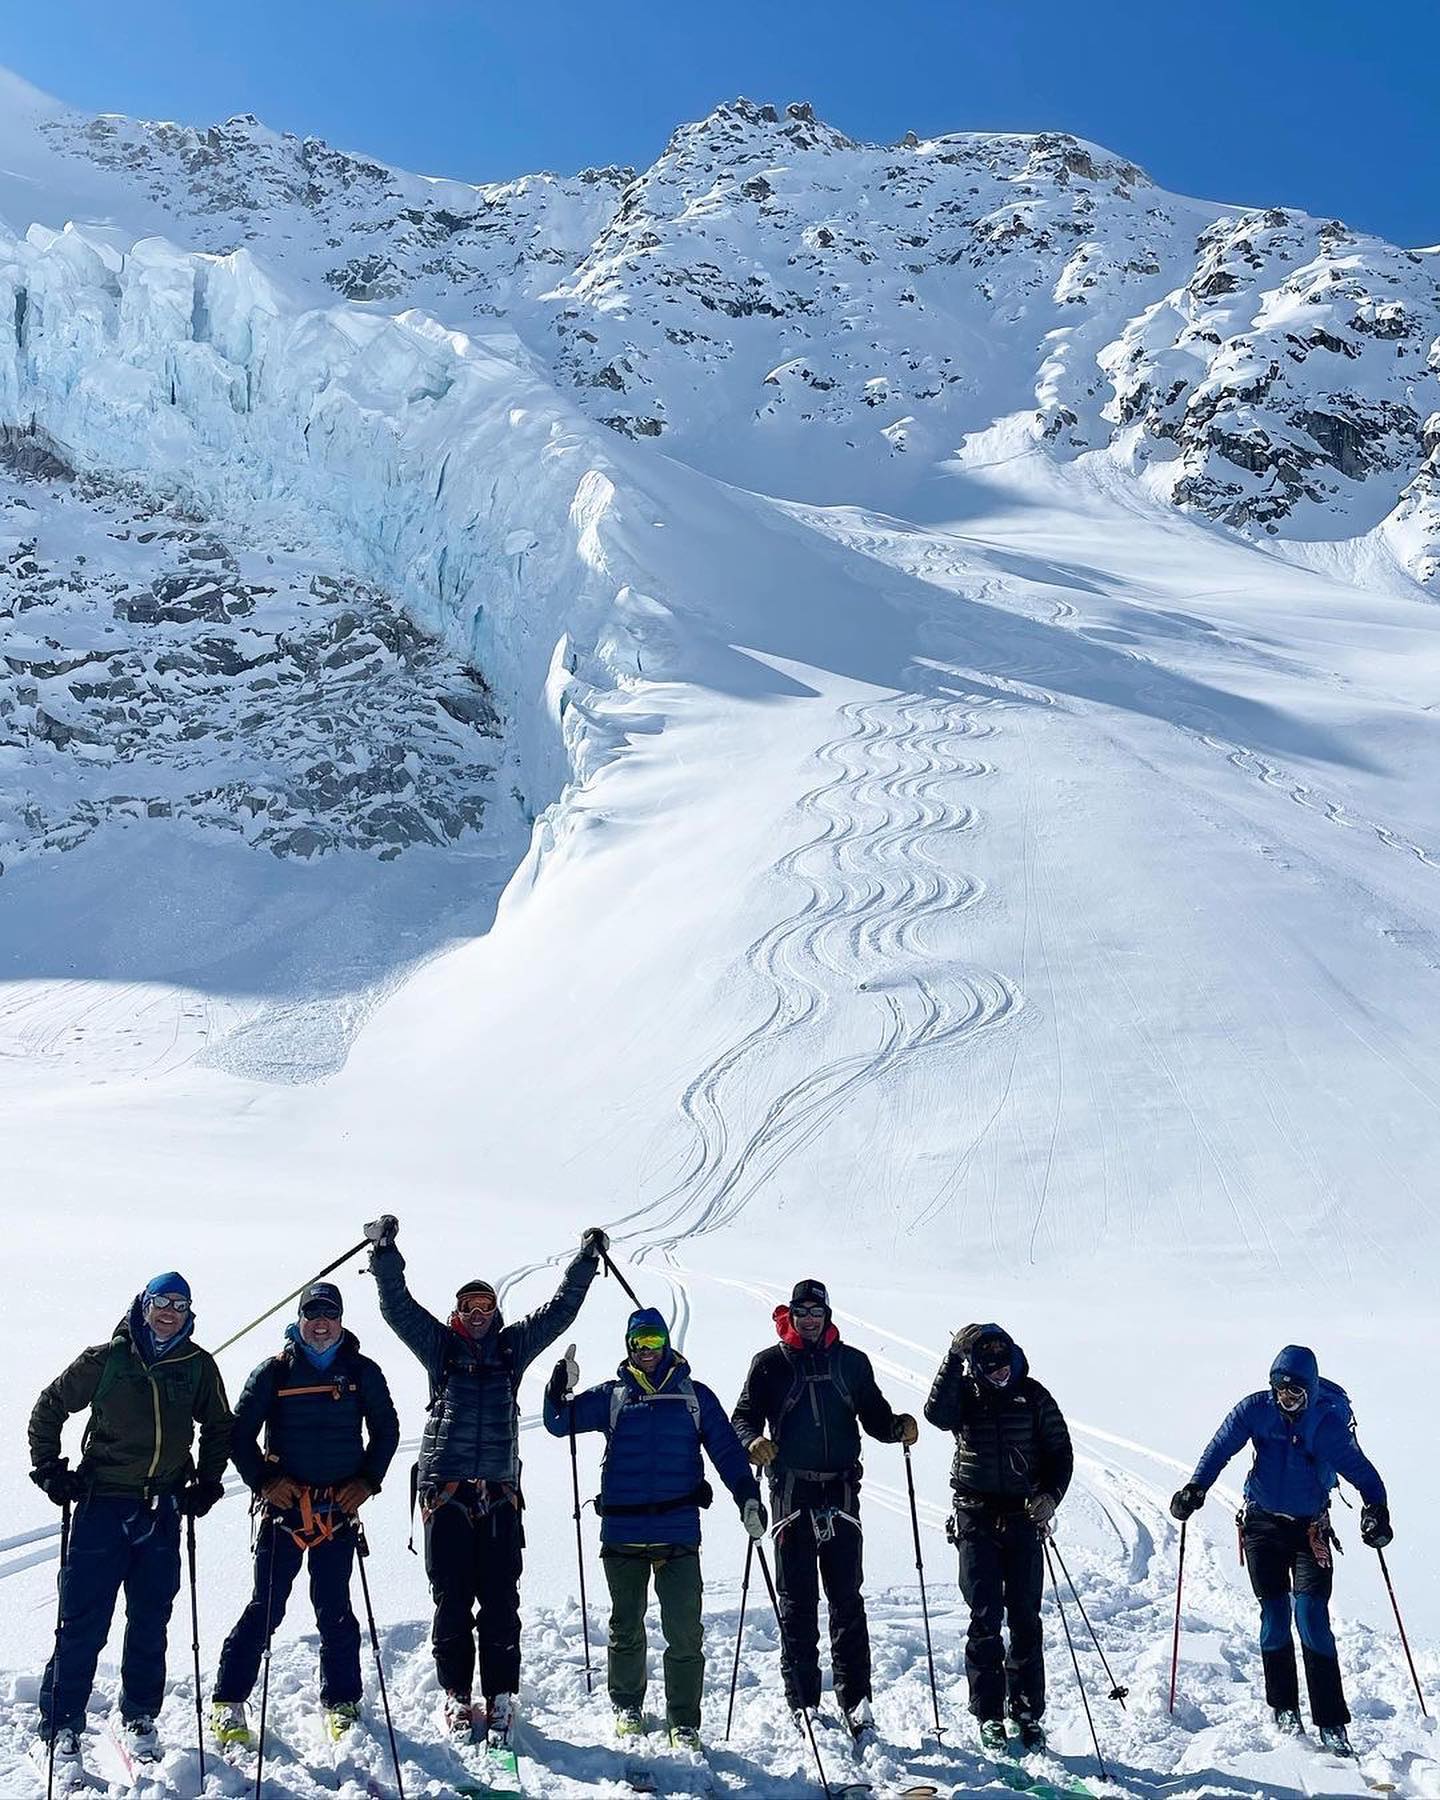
<point x="145" y="1390"/>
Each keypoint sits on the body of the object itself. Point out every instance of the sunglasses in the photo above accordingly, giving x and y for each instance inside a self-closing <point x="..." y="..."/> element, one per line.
<point x="649" y="1340"/>
<point x="168" y="1303"/>
<point x="320" y="1309"/>
<point x="807" y="1312"/>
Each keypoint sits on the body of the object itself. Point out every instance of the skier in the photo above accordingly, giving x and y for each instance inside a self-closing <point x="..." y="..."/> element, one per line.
<point x="468" y="1475"/>
<point x="1012" y="1465"/>
<point x="1303" y="1435"/>
<point x="330" y="1432"/>
<point x="800" y="1414"/>
<point x="145" y="1389"/>
<point x="652" y="1487"/>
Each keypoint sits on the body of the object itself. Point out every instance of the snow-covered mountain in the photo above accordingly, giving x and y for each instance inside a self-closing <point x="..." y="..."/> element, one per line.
<point x="865" y="711"/>
<point x="772" y="299"/>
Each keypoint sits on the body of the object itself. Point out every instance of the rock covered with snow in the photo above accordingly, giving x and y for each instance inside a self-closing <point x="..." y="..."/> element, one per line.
<point x="152" y="667"/>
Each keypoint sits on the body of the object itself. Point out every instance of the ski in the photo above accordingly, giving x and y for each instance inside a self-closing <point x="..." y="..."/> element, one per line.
<point x="139" y="1772"/>
<point x="1020" y="1780"/>
<point x="71" y="1775"/>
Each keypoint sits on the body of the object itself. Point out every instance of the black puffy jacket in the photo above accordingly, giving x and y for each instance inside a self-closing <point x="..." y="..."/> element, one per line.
<point x="1010" y="1442"/>
<point x="472" y="1432"/>
<point x="812" y="1402"/>
<point x="321" y="1426"/>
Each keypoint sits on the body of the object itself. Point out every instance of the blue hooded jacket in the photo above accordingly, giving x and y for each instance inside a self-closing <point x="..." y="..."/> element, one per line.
<point x="653" y="1454"/>
<point x="1297" y="1455"/>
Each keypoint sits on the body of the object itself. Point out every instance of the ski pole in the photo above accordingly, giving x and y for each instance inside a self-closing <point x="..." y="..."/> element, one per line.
<point x="609" y="1262"/>
<point x="1116" y="1691"/>
<point x="362" y="1549"/>
<point x="580" y="1548"/>
<point x="924" y="1603"/>
<point x="1074" y="1659"/>
<point x="269" y="1628"/>
<point x="804" y="1711"/>
<point x="739" y="1633"/>
<point x="1395" y="1604"/>
<point x="55" y="1654"/>
<point x="329" y="1269"/>
<point x="195" y="1640"/>
<point x="1175" y="1640"/>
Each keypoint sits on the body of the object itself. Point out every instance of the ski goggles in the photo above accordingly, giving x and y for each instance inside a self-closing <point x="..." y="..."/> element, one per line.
<point x="319" y="1309"/>
<point x="648" y="1340"/>
<point x="992" y="1353"/>
<point x="166" y="1303"/>
<point x="1289" y="1391"/>
<point x="807" y="1311"/>
<point x="475" y="1303"/>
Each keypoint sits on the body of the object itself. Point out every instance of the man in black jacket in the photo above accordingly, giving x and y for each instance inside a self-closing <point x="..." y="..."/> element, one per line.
<point x="330" y="1433"/>
<point x="799" y="1413"/>
<point x="469" y="1469"/>
<point x="1013" y="1463"/>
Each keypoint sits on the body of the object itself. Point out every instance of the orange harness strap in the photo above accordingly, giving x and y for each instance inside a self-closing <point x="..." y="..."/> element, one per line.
<point x="316" y="1528"/>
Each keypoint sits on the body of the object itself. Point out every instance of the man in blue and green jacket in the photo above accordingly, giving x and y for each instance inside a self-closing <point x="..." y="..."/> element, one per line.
<point x="330" y="1432"/>
<point x="145" y="1389"/>
<point x="1303" y="1434"/>
<point x="656" y="1420"/>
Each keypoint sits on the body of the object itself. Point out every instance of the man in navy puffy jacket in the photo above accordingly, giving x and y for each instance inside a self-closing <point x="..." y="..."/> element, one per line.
<point x="1303" y="1436"/>
<point x="330" y="1433"/>
<point x="652" y="1486"/>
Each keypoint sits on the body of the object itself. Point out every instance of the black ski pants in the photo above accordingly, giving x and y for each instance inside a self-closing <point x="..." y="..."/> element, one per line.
<point x="1002" y="1576"/>
<point x="473" y="1557"/>
<point x="1282" y="1562"/>
<point x="818" y="1545"/>
<point x="277" y="1563"/>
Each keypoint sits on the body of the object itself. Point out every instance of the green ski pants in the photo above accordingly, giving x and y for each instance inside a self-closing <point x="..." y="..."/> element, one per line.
<point x="678" y="1589"/>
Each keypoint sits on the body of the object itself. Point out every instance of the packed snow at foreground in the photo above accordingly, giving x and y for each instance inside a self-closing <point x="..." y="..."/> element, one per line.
<point x="994" y="870"/>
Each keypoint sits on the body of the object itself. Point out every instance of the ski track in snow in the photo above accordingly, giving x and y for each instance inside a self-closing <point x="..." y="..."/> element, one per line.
<point x="872" y="882"/>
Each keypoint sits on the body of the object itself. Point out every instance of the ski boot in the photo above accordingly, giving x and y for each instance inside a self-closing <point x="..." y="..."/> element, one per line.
<point x="457" y="1715"/>
<point x="229" y="1724"/>
<point x="1287" y="1722"/>
<point x="340" y="1718"/>
<point x="500" y="1720"/>
<point x="685" y="1737"/>
<point x="69" y="1768"/>
<point x="1032" y="1734"/>
<point x="993" y="1738"/>
<point x="1335" y="1740"/>
<point x="140" y="1738"/>
<point x="629" y="1722"/>
<point x="861" y="1720"/>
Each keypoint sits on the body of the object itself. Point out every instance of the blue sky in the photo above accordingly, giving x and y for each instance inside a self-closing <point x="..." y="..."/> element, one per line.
<point x="1324" y="105"/>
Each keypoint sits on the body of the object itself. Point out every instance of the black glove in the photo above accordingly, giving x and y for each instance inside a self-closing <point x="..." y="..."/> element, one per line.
<point x="1375" y="1530"/>
<point x="564" y="1378"/>
<point x="965" y="1340"/>
<point x="59" y="1482"/>
<point x="594" y="1242"/>
<point x="197" y="1497"/>
<point x="1186" y="1500"/>
<point x="381" y="1232"/>
<point x="1040" y="1509"/>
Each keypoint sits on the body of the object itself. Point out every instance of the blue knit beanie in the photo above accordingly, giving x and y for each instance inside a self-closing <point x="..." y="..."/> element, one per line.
<point x="168" y="1283"/>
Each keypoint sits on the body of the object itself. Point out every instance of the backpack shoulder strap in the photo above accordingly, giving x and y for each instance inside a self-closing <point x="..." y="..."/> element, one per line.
<point x="686" y="1389"/>
<point x="110" y="1372"/>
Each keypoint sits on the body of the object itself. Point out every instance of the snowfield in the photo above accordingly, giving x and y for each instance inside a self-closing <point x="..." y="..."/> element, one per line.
<point x="980" y="848"/>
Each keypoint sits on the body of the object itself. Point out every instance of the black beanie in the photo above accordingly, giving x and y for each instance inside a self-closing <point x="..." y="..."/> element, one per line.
<point x="810" y="1293"/>
<point x="474" y="1287"/>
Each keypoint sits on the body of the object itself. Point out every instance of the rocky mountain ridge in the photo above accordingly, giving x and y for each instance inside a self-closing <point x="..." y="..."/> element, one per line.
<point x="792" y="309"/>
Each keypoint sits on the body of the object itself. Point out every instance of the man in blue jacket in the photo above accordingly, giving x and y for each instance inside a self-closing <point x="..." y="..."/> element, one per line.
<point x="330" y="1433"/>
<point x="1303" y="1435"/>
<point x="652" y="1487"/>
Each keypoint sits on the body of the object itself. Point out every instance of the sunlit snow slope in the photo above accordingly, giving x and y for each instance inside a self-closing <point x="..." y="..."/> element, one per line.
<point x="1022" y="902"/>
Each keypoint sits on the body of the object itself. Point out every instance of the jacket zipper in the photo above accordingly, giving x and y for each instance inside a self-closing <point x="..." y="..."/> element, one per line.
<point x="155" y="1405"/>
